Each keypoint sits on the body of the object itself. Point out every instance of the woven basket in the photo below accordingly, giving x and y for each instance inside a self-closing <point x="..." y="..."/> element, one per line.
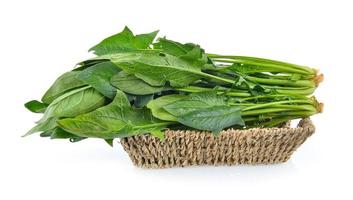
<point x="231" y="147"/>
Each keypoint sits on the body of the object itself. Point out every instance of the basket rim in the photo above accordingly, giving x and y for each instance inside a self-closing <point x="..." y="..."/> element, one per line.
<point x="304" y="123"/>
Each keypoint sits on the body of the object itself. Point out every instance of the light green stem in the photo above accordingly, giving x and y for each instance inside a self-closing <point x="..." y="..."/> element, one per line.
<point x="308" y="101"/>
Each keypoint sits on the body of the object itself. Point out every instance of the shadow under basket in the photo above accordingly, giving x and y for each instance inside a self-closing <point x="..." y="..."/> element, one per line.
<point x="182" y="148"/>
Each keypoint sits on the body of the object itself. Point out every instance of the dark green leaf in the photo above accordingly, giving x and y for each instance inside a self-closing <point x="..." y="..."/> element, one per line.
<point x="36" y="106"/>
<point x="157" y="68"/>
<point x="156" y="106"/>
<point x="88" y="63"/>
<point x="63" y="84"/>
<point x="213" y="119"/>
<point x="195" y="101"/>
<point x="75" y="102"/>
<point x="129" y="83"/>
<point x="109" y="141"/>
<point x="59" y="133"/>
<point x="142" y="100"/>
<point x="118" y="119"/>
<point x="124" y="41"/>
<point x="47" y="133"/>
<point x="98" y="76"/>
<point x="192" y="53"/>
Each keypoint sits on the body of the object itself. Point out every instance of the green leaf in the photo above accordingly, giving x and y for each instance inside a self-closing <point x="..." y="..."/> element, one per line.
<point x="195" y="101"/>
<point x="129" y="83"/>
<point x="44" y="126"/>
<point x="171" y="47"/>
<point x="246" y="69"/>
<point x="124" y="41"/>
<point x="88" y="63"/>
<point x="59" y="133"/>
<point x="63" y="84"/>
<point x="190" y="52"/>
<point x="98" y="76"/>
<point x="75" y="102"/>
<point x="157" y="68"/>
<point x="142" y="100"/>
<point x="156" y="106"/>
<point x="205" y="111"/>
<point x="213" y="119"/>
<point x="158" y="133"/>
<point x="36" y="106"/>
<point x="110" y="142"/>
<point x="143" y="41"/>
<point x="118" y="119"/>
<point x="47" y="133"/>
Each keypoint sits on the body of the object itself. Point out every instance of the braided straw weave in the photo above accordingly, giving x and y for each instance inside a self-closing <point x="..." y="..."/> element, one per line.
<point x="232" y="147"/>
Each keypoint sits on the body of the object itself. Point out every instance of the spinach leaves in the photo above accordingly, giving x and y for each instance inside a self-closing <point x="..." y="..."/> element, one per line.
<point x="118" y="119"/>
<point x="63" y="84"/>
<point x="157" y="68"/>
<point x="204" y="111"/>
<point x="129" y="83"/>
<point x="213" y="119"/>
<point x="98" y="76"/>
<point x="36" y="106"/>
<point x="124" y="41"/>
<point x="157" y="106"/>
<point x="138" y="84"/>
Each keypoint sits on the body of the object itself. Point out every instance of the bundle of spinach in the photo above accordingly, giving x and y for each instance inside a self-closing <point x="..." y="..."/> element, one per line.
<point x="138" y="85"/>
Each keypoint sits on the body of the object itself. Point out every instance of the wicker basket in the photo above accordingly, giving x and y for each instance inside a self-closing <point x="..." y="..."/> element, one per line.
<point x="231" y="147"/>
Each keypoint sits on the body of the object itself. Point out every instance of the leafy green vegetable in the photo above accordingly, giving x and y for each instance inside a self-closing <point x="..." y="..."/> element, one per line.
<point x="64" y="83"/>
<point x="142" y="100"/>
<point x="36" y="106"/>
<point x="75" y="102"/>
<point x="196" y="101"/>
<point x="137" y="86"/>
<point x="156" y="106"/>
<point x="213" y="119"/>
<point x="43" y="126"/>
<point x="192" y="53"/>
<point x="157" y="68"/>
<point x="59" y="133"/>
<point x="98" y="76"/>
<point x="118" y="119"/>
<point x="109" y="142"/>
<point x="205" y="111"/>
<point x="131" y="84"/>
<point x="124" y="41"/>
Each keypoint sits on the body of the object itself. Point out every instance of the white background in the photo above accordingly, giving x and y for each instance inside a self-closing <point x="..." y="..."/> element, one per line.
<point x="39" y="40"/>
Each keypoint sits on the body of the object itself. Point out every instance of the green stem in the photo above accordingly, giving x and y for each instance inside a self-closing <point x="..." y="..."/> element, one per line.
<point x="269" y="67"/>
<point x="308" y="101"/>
<point x="304" y="92"/>
<point x="270" y="96"/>
<point x="300" y="83"/>
<point x="272" y="112"/>
<point x="292" y="107"/>
<point x="263" y="111"/>
<point x="297" y="107"/>
<point x="194" y="89"/>
<point x="215" y="77"/>
<point x="261" y="61"/>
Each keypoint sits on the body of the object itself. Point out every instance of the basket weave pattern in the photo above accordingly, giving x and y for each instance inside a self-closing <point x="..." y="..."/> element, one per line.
<point x="232" y="147"/>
